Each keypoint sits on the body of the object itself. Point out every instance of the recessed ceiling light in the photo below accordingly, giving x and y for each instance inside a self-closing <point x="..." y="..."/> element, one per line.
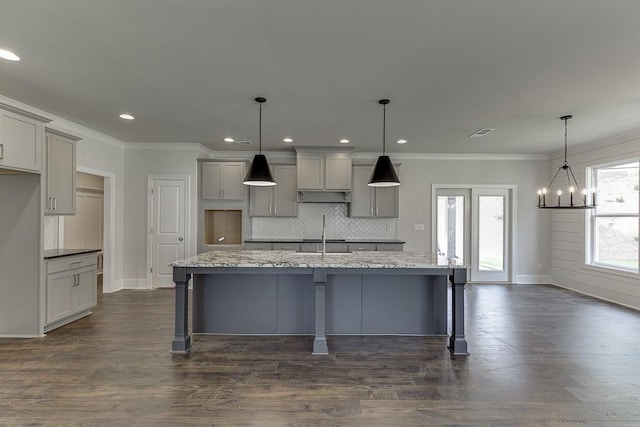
<point x="288" y="140"/>
<point x="344" y="141"/>
<point x="228" y="139"/>
<point x="8" y="55"/>
<point x="481" y="132"/>
<point x="127" y="116"/>
<point x="402" y="141"/>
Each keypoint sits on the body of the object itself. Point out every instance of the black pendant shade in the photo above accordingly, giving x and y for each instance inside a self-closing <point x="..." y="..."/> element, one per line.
<point x="259" y="173"/>
<point x="384" y="175"/>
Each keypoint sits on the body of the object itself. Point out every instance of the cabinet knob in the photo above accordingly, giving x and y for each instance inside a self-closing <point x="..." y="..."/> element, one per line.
<point x="180" y="239"/>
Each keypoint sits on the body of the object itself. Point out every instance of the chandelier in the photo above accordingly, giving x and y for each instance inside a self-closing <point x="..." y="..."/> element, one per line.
<point x="566" y="200"/>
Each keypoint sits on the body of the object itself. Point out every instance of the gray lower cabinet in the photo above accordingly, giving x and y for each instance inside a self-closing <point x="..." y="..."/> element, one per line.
<point x="390" y="247"/>
<point x="353" y="247"/>
<point x="286" y="246"/>
<point x="371" y="202"/>
<point x="279" y="200"/>
<point x="71" y="289"/>
<point x="222" y="180"/>
<point x="258" y="246"/>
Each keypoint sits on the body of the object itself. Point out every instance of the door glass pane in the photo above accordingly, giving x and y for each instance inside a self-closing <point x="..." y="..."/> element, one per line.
<point x="617" y="241"/>
<point x="491" y="233"/>
<point x="451" y="227"/>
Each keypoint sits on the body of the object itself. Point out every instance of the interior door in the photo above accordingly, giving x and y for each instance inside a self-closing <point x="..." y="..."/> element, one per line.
<point x="167" y="228"/>
<point x="491" y="235"/>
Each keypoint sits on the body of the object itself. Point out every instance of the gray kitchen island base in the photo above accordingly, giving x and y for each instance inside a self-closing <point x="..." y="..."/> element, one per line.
<point x="319" y="300"/>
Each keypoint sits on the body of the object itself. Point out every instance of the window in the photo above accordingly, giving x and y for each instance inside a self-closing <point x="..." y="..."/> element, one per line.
<point x="614" y="222"/>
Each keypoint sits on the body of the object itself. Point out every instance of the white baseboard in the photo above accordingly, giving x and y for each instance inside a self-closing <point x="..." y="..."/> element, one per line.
<point x="130" y="284"/>
<point x="533" y="279"/>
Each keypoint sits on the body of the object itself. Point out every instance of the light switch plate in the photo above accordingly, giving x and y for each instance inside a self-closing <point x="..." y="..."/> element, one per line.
<point x="418" y="227"/>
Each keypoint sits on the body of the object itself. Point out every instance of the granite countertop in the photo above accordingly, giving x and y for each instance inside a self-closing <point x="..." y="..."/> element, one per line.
<point x="283" y="259"/>
<point x="58" y="253"/>
<point x="297" y="240"/>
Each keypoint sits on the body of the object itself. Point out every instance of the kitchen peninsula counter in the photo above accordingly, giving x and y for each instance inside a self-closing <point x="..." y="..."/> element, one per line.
<point x="289" y="293"/>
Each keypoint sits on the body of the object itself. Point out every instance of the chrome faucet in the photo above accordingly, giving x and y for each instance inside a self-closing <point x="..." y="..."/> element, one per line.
<point x="324" y="237"/>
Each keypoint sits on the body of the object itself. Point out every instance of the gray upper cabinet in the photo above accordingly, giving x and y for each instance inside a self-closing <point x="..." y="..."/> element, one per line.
<point x="222" y="180"/>
<point x="61" y="173"/>
<point x="372" y="202"/>
<point x="279" y="200"/>
<point x="324" y="171"/>
<point x="21" y="140"/>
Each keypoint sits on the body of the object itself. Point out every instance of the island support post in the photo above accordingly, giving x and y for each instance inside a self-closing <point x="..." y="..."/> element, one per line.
<point x="457" y="341"/>
<point x="182" y="340"/>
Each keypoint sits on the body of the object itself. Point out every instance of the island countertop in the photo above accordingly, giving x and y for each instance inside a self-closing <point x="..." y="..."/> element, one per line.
<point x="290" y="259"/>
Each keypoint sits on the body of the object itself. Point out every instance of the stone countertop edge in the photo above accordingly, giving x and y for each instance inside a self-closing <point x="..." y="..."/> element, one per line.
<point x="284" y="259"/>
<point x="59" y="253"/>
<point x="296" y="240"/>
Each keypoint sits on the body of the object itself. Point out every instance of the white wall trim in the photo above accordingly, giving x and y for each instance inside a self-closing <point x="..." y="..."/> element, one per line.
<point x="533" y="279"/>
<point x="131" y="284"/>
<point x="187" y="220"/>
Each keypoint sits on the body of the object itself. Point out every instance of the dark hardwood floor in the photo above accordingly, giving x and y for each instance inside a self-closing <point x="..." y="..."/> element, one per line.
<point x="540" y="356"/>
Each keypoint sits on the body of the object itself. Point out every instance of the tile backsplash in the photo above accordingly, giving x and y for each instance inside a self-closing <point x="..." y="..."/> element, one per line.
<point x="308" y="224"/>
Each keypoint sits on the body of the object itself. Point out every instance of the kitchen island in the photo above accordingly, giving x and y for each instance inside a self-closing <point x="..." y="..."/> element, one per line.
<point x="292" y="293"/>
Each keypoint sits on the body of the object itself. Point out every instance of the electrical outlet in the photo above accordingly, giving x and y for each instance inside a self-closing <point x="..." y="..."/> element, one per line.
<point x="418" y="227"/>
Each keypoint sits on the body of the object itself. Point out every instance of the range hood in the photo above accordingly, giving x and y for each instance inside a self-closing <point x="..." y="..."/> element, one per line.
<point x="324" y="197"/>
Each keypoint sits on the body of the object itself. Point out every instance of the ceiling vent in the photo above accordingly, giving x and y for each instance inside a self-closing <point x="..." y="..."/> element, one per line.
<point x="242" y="142"/>
<point x="480" y="133"/>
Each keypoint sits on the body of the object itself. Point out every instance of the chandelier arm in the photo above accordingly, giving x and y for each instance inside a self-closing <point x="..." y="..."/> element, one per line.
<point x="554" y="178"/>
<point x="575" y="181"/>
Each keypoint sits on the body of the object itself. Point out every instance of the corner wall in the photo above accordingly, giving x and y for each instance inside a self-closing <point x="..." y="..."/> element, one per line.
<point x="568" y="230"/>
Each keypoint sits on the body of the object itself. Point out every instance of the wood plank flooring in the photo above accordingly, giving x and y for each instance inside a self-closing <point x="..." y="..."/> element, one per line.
<point x="540" y="356"/>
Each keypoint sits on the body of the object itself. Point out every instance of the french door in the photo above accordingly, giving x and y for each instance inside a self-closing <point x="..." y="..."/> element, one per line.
<point x="473" y="226"/>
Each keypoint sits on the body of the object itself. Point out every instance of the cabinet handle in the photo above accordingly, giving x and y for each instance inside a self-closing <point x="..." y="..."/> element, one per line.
<point x="74" y="263"/>
<point x="269" y="209"/>
<point x="1" y="151"/>
<point x="55" y="204"/>
<point x="377" y="209"/>
<point x="371" y="210"/>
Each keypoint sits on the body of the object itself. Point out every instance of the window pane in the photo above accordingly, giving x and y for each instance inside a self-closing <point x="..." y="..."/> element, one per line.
<point x="616" y="242"/>
<point x="451" y="226"/>
<point x="491" y="233"/>
<point x="617" y="189"/>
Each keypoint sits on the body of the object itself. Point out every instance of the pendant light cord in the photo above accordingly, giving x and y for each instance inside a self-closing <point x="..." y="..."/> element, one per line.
<point x="384" y="128"/>
<point x="260" y="130"/>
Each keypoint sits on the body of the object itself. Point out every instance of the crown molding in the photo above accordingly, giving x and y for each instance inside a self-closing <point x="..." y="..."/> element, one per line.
<point x="454" y="156"/>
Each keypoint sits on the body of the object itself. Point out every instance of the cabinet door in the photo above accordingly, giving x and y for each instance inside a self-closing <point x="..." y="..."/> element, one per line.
<point x="286" y="192"/>
<point x="232" y="175"/>
<point x="361" y="193"/>
<point x="210" y="183"/>
<point x="61" y="175"/>
<point x="386" y="202"/>
<point x="337" y="172"/>
<point x="59" y="304"/>
<point x="84" y="291"/>
<point x="20" y="142"/>
<point x="310" y="172"/>
<point x="261" y="201"/>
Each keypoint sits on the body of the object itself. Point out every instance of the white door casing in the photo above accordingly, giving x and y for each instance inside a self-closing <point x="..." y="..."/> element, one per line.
<point x="474" y="237"/>
<point x="167" y="227"/>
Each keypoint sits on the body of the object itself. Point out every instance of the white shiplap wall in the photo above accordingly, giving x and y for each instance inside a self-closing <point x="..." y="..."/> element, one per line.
<point x="568" y="230"/>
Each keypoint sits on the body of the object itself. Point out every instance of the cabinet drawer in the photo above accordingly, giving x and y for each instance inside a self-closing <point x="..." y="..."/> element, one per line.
<point x="71" y="262"/>
<point x="390" y="247"/>
<point x="257" y="246"/>
<point x="362" y="247"/>
<point x="286" y="246"/>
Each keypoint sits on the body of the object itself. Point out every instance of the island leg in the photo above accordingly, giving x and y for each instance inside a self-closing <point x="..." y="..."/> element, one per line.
<point x="320" y="342"/>
<point x="457" y="341"/>
<point x="182" y="340"/>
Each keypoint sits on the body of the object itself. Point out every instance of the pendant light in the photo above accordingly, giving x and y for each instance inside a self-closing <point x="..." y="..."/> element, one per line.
<point x="384" y="175"/>
<point x="259" y="173"/>
<point x="560" y="198"/>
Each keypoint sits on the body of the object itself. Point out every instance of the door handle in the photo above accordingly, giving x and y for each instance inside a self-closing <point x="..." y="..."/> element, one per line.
<point x="180" y="239"/>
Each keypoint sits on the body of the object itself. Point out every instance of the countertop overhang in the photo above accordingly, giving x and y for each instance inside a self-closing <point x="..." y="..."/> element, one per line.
<point x="290" y="259"/>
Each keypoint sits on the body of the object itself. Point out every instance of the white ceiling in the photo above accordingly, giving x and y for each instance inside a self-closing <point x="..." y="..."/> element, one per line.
<point x="189" y="70"/>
